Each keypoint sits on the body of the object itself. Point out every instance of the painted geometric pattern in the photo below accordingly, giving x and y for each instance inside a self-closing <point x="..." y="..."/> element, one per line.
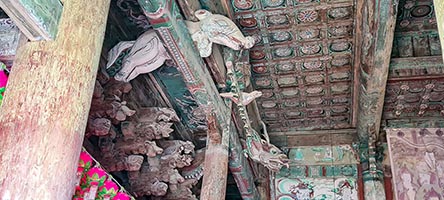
<point x="417" y="162"/>
<point x="414" y="103"/>
<point x="416" y="31"/>
<point x="303" y="61"/>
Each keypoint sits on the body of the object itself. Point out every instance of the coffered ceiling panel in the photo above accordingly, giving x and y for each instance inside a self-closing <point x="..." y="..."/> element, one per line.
<point x="415" y="90"/>
<point x="303" y="62"/>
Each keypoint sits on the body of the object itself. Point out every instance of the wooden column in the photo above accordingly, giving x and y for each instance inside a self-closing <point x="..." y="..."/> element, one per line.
<point x="44" y="113"/>
<point x="374" y="32"/>
<point x="166" y="19"/>
<point x="214" y="184"/>
<point x="439" y="13"/>
<point x="38" y="20"/>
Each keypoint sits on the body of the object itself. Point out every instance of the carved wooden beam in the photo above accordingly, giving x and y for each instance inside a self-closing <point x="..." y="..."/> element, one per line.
<point x="166" y="19"/>
<point x="374" y="32"/>
<point x="214" y="184"/>
<point x="37" y="19"/>
<point x="439" y="13"/>
<point x="43" y="116"/>
<point x="374" y="38"/>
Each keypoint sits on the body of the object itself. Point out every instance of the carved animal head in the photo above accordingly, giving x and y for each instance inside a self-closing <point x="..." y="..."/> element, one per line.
<point x="267" y="154"/>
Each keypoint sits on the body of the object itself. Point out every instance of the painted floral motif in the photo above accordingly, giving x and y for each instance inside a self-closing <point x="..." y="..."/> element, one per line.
<point x="277" y="19"/>
<point x="263" y="82"/>
<point x="340" y="61"/>
<point x="314" y="90"/>
<point x="312" y="65"/>
<point x="257" y="55"/>
<point x="260" y="69"/>
<point x="339" y="46"/>
<point x="268" y="104"/>
<point x="340" y="13"/>
<point x="274" y="3"/>
<point x="286" y="81"/>
<point x="339" y="31"/>
<point x="290" y="92"/>
<point x="314" y="78"/>
<point x="281" y="36"/>
<point x="421" y="11"/>
<point x="310" y="49"/>
<point x="248" y="22"/>
<point x="339" y="76"/>
<point x="285" y="67"/>
<point x="243" y="4"/>
<point x="340" y="88"/>
<point x="283" y="52"/>
<point x="3" y="80"/>
<point x="309" y="33"/>
<point x="307" y="16"/>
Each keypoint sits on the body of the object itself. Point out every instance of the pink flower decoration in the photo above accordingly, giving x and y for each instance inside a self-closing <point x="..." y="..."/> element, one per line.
<point x="96" y="174"/>
<point x="3" y="79"/>
<point x="109" y="188"/>
<point x="85" y="160"/>
<point x="121" y="196"/>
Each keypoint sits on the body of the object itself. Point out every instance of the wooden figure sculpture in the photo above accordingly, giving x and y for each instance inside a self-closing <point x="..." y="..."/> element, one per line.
<point x="146" y="55"/>
<point x="214" y="28"/>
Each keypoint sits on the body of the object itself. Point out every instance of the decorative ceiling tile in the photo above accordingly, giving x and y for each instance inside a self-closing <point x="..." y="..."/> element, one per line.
<point x="303" y="62"/>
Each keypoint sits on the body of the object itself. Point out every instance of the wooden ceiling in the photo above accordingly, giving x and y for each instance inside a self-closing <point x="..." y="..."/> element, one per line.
<point x="414" y="95"/>
<point x="303" y="62"/>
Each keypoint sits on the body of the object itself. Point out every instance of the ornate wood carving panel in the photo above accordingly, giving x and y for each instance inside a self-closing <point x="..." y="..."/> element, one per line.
<point x="303" y="61"/>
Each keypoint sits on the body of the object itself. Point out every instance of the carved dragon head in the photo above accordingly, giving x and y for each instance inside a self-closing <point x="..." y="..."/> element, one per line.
<point x="267" y="154"/>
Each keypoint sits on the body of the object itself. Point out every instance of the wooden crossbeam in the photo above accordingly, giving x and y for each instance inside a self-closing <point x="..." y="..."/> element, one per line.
<point x="37" y="19"/>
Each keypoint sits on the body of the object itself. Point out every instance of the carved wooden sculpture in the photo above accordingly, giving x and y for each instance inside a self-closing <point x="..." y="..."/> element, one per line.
<point x="214" y="28"/>
<point x="258" y="149"/>
<point x="146" y="55"/>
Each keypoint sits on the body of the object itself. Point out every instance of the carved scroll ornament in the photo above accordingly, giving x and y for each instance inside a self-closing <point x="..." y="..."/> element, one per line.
<point x="147" y="54"/>
<point x="214" y="28"/>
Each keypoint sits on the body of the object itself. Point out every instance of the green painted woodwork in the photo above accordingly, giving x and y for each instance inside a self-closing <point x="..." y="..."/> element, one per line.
<point x="37" y="19"/>
<point x="181" y="98"/>
<point x="46" y="14"/>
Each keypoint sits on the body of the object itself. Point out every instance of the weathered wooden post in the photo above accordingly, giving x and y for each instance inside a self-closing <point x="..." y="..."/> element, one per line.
<point x="44" y="113"/>
<point x="374" y="38"/>
<point x="214" y="183"/>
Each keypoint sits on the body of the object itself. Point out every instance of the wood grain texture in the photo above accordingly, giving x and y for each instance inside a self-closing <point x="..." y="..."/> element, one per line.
<point x="44" y="113"/>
